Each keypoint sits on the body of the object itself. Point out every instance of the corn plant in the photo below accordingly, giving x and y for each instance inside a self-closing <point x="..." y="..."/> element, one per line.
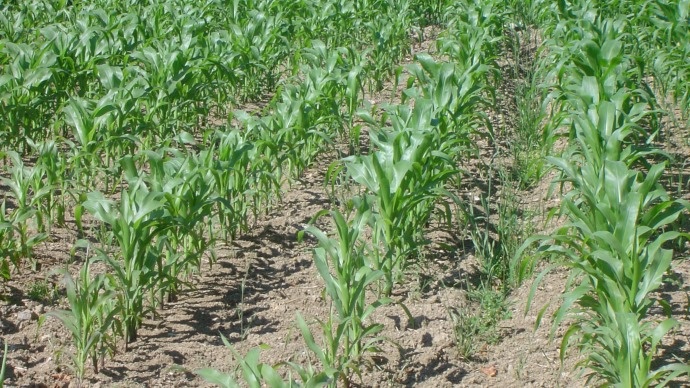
<point x="342" y="265"/>
<point x="24" y="78"/>
<point x="268" y="152"/>
<point x="453" y="98"/>
<point x="27" y="191"/>
<point x="402" y="179"/>
<point x="256" y="374"/>
<point x="90" y="319"/>
<point x="6" y="249"/>
<point x="134" y="227"/>
<point x="302" y="120"/>
<point x="80" y="116"/>
<point x="258" y="45"/>
<point x="614" y="243"/>
<point x="231" y="178"/>
<point x="53" y="166"/>
<point x="188" y="200"/>
<point x="390" y="34"/>
<point x="474" y="34"/>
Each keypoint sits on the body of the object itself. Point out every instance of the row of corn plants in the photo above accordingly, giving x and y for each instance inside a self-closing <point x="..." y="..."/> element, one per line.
<point x="620" y="217"/>
<point x="87" y="84"/>
<point x="416" y="145"/>
<point x="660" y="34"/>
<point x="162" y="67"/>
<point x="148" y="79"/>
<point x="113" y="102"/>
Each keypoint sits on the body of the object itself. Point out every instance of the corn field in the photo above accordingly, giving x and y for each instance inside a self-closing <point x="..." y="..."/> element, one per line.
<point x="344" y="193"/>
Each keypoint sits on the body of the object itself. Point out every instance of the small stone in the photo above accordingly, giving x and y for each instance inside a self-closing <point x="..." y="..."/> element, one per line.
<point x="39" y="309"/>
<point x="26" y="315"/>
<point x="19" y="371"/>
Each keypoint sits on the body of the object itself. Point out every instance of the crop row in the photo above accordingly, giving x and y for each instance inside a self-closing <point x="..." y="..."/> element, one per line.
<point x="127" y="114"/>
<point x="149" y="79"/>
<point x="416" y="146"/>
<point x="596" y="69"/>
<point x="120" y="120"/>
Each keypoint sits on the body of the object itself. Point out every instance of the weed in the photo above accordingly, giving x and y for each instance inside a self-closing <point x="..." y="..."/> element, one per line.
<point x="42" y="291"/>
<point x="477" y="323"/>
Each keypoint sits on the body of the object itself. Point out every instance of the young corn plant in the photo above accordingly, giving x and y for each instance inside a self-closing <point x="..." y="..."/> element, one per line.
<point x="614" y="242"/>
<point x="90" y="319"/>
<point x="256" y="374"/>
<point x="607" y="130"/>
<point x="342" y="265"/>
<point x="390" y="34"/>
<point x="79" y="115"/>
<point x="27" y="191"/>
<point x="134" y="228"/>
<point x="231" y="180"/>
<point x="7" y="244"/>
<point x="457" y="95"/>
<point x="402" y="181"/>
<point x="53" y="165"/>
<point x="25" y="91"/>
<point x="188" y="199"/>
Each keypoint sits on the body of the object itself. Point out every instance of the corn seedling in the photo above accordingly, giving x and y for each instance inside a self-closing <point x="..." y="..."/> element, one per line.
<point x="403" y="179"/>
<point x="342" y="265"/>
<point x="27" y="190"/>
<point x="256" y="374"/>
<point x="90" y="319"/>
<point x="134" y="228"/>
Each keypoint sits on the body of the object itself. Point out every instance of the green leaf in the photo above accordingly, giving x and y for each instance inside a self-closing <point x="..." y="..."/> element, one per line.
<point x="610" y="50"/>
<point x="214" y="376"/>
<point x="309" y="339"/>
